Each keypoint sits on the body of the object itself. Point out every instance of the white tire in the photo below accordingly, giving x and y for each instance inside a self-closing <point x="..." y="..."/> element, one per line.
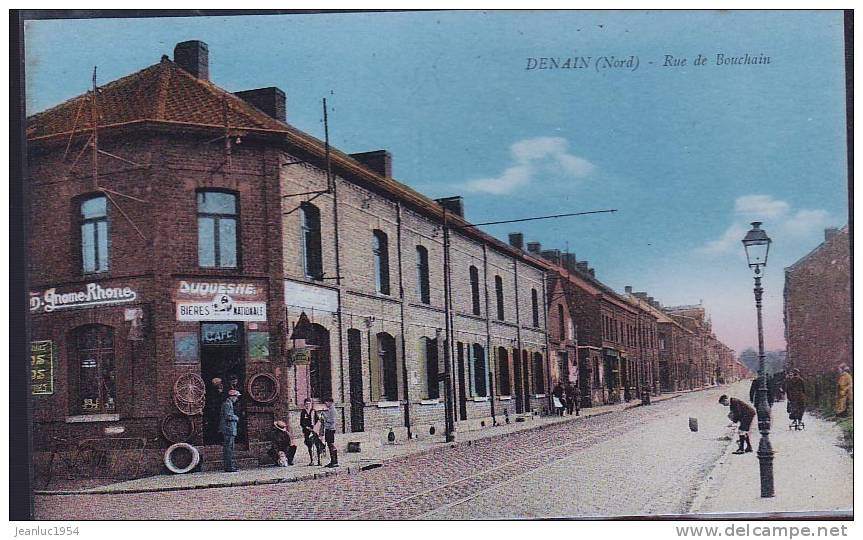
<point x="169" y="463"/>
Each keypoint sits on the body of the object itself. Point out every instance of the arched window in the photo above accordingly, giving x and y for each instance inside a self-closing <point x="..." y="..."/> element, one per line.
<point x="310" y="219"/>
<point x="94" y="235"/>
<point x="504" y="384"/>
<point x="387" y="384"/>
<point x="480" y="371"/>
<point x="423" y="275"/>
<point x="428" y="361"/>
<point x="498" y="291"/>
<point x="474" y="290"/>
<point x="93" y="356"/>
<point x="538" y="374"/>
<point x="380" y="249"/>
<point x="561" y="322"/>
<point x="217" y="229"/>
<point x="534" y="307"/>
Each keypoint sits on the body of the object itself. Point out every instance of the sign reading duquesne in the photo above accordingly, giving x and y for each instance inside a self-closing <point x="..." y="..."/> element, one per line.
<point x="93" y="294"/>
<point x="220" y="301"/>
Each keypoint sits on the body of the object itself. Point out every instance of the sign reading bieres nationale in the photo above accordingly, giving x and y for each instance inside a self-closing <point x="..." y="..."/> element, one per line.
<point x="92" y="294"/>
<point x="220" y="301"/>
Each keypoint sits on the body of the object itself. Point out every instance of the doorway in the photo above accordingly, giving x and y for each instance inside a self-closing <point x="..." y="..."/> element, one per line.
<point x="355" y="372"/>
<point x="222" y="357"/>
<point x="525" y="373"/>
<point x="519" y="382"/>
<point x="462" y="390"/>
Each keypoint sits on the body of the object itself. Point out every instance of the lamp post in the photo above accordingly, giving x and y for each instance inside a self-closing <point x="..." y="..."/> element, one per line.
<point x="757" y="245"/>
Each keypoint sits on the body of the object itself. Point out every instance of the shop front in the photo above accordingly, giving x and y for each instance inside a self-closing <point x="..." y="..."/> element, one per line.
<point x="222" y="335"/>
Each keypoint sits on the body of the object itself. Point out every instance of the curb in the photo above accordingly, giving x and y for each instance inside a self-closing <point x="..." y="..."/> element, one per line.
<point x="346" y="469"/>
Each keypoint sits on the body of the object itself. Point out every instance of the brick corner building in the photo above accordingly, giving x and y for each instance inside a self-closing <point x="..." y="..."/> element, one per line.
<point x="818" y="318"/>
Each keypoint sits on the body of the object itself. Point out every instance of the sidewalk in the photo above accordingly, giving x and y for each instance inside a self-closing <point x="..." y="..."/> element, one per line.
<point x="350" y="463"/>
<point x="812" y="473"/>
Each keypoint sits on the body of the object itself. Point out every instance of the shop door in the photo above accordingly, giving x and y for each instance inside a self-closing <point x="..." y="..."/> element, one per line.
<point x="222" y="357"/>
<point x="519" y="383"/>
<point x="355" y="372"/>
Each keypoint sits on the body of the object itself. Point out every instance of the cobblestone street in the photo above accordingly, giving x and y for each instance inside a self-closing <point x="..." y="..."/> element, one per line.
<point x="639" y="461"/>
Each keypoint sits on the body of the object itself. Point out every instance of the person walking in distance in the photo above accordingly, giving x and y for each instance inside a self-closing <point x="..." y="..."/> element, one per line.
<point x="844" y="391"/>
<point x="330" y="431"/>
<point x="558" y="399"/>
<point x="795" y="391"/>
<point x="743" y="413"/>
<point x="228" y="429"/>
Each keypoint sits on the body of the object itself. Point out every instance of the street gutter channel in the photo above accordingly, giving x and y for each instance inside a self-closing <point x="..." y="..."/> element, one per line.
<point x="348" y="469"/>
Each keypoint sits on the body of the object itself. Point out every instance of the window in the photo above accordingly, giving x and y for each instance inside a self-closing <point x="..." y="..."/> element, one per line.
<point x="538" y="371"/>
<point x="498" y="292"/>
<point x="561" y="322"/>
<point x="504" y="384"/>
<point x="480" y="373"/>
<point x="310" y="218"/>
<point x="94" y="235"/>
<point x="388" y="387"/>
<point x="423" y="275"/>
<point x="474" y="289"/>
<point x="534" y="305"/>
<point x="94" y="355"/>
<point x="382" y="262"/>
<point x="217" y="229"/>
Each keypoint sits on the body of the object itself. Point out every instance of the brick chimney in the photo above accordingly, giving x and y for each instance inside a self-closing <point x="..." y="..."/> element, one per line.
<point x="552" y="255"/>
<point x="454" y="204"/>
<point x="568" y="261"/>
<point x="534" y="247"/>
<point x="582" y="266"/>
<point x="628" y="289"/>
<point x="270" y="100"/>
<point x="381" y="162"/>
<point x="830" y="233"/>
<point x="516" y="240"/>
<point x="194" y="57"/>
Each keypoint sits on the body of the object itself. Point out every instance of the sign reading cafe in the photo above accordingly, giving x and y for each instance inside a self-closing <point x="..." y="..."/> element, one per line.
<point x="220" y="301"/>
<point x="93" y="294"/>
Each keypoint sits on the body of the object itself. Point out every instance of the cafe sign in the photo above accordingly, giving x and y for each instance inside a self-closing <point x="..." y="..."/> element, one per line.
<point x="220" y="301"/>
<point x="92" y="294"/>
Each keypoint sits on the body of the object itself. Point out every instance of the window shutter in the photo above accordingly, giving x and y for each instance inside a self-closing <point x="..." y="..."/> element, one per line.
<point x="374" y="367"/>
<point x="400" y="371"/>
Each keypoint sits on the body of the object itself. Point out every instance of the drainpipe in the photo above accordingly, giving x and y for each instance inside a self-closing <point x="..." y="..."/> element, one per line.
<point x="524" y="390"/>
<point x="489" y="375"/>
<point x="405" y="384"/>
<point x="331" y="186"/>
<point x="547" y="342"/>
<point x="449" y="389"/>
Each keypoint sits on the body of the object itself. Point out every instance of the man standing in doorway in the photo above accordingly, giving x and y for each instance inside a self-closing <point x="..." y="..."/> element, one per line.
<point x="330" y="431"/>
<point x="228" y="429"/>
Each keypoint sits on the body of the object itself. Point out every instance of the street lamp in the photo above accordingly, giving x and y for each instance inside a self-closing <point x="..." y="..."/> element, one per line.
<point x="757" y="245"/>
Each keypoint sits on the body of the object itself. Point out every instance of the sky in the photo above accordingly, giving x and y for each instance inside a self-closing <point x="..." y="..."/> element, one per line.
<point x="688" y="154"/>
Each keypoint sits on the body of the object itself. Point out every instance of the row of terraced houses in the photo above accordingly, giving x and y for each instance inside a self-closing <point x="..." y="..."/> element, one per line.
<point x="181" y="234"/>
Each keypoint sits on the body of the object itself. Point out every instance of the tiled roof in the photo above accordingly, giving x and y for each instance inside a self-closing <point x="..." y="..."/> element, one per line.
<point x="162" y="92"/>
<point x="165" y="93"/>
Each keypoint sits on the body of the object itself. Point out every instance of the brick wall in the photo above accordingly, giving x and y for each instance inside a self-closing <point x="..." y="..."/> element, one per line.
<point x="818" y="307"/>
